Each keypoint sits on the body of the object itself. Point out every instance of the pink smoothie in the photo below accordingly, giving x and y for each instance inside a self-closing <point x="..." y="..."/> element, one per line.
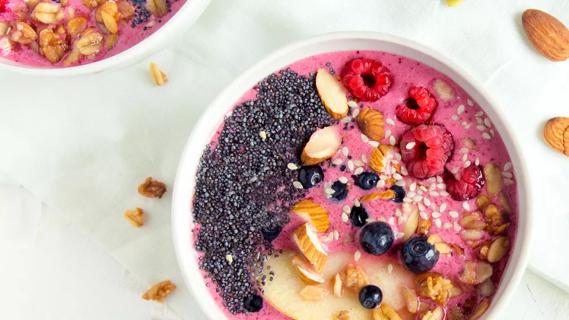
<point x="134" y="21"/>
<point x="477" y="142"/>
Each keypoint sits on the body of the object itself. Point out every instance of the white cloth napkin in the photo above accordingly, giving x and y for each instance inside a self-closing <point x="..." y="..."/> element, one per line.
<point x="82" y="145"/>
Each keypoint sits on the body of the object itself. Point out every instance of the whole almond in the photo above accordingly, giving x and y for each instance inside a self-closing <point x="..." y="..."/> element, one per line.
<point x="547" y="34"/>
<point x="556" y="134"/>
<point x="370" y="122"/>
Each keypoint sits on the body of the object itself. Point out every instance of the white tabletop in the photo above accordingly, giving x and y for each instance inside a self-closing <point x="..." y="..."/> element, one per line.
<point x="75" y="149"/>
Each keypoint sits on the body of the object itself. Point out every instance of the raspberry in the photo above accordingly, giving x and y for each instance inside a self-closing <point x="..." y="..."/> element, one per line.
<point x="418" y="108"/>
<point x="468" y="186"/>
<point x="366" y="79"/>
<point x="3" y="6"/>
<point x="426" y="149"/>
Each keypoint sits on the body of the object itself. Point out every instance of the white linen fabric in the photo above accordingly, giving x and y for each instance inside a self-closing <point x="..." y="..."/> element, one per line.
<point x="82" y="145"/>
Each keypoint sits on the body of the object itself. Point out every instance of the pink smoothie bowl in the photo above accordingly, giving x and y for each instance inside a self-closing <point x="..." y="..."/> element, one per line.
<point x="188" y="13"/>
<point x="212" y="118"/>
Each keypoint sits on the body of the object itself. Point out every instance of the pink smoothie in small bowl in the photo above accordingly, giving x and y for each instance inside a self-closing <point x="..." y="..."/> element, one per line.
<point x="248" y="181"/>
<point x="23" y="38"/>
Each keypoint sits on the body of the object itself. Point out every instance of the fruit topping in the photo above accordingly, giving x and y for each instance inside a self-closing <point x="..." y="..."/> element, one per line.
<point x="322" y="145"/>
<point x="271" y="233"/>
<point x="366" y="180"/>
<point x="466" y="187"/>
<point x="253" y="303"/>
<point x="366" y="79"/>
<point x="418" y="255"/>
<point x="307" y="241"/>
<point x="376" y="238"/>
<point x="418" y="108"/>
<point x="379" y="158"/>
<point x="358" y="216"/>
<point x="370" y="122"/>
<point x="426" y="149"/>
<point x="340" y="190"/>
<point x="310" y="176"/>
<point x="399" y="193"/>
<point x="313" y="213"/>
<point x="370" y="296"/>
<point x="332" y="94"/>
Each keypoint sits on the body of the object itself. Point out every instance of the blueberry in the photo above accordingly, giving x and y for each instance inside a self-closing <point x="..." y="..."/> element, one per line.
<point x="358" y="216"/>
<point x="309" y="176"/>
<point x="418" y="255"/>
<point x="399" y="193"/>
<point x="366" y="180"/>
<point x="376" y="238"/>
<point x="253" y="303"/>
<point x="340" y="190"/>
<point x="271" y="233"/>
<point x="370" y="296"/>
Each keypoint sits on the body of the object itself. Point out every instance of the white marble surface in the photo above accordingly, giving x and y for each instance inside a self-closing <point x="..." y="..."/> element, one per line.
<point x="73" y="149"/>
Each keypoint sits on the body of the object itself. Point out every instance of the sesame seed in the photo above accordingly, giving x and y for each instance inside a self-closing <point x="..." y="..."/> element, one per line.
<point x="352" y="104"/>
<point x="400" y="183"/>
<point x="467" y="163"/>
<point x="345" y="217"/>
<point x="345" y="151"/>
<point x="438" y="223"/>
<point x="358" y="163"/>
<point x="464" y="150"/>
<point x="423" y="215"/>
<point x="390" y="121"/>
<point x="466" y="206"/>
<point x="292" y="166"/>
<point x="346" y="209"/>
<point x="479" y="114"/>
<point x="444" y="193"/>
<point x="407" y="200"/>
<point x="343" y="180"/>
<point x="413" y="186"/>
<point x="477" y="161"/>
<point x="392" y="140"/>
<point x="427" y="202"/>
<point x="436" y="214"/>
<point x="336" y="235"/>
<point x="434" y="194"/>
<point x="404" y="171"/>
<point x="454" y="117"/>
<point x="357" y="203"/>
<point x="508" y="182"/>
<point x="447" y="225"/>
<point x="457" y="227"/>
<point x="329" y="191"/>
<point x="470" y="102"/>
<point x="423" y="188"/>
<point x="229" y="258"/>
<point x="398" y="212"/>
<point x="460" y="109"/>
<point x="441" y="186"/>
<point x="464" y="157"/>
<point x="421" y="206"/>
<point x="397" y="176"/>
<point x="397" y="156"/>
<point x="387" y="133"/>
<point x="507" y="174"/>
<point x="507" y="166"/>
<point x="297" y="185"/>
<point x="481" y="127"/>
<point x="374" y="144"/>
<point x="364" y="158"/>
<point x="355" y="112"/>
<point x="350" y="165"/>
<point x="453" y="214"/>
<point x="364" y="138"/>
<point x="359" y="170"/>
<point x="487" y="123"/>
<point x="357" y="255"/>
<point x="410" y="145"/>
<point x="443" y="207"/>
<point x="486" y="136"/>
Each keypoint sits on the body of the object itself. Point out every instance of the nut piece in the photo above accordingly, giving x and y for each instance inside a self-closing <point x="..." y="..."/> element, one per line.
<point x="158" y="8"/>
<point x="556" y="134"/>
<point x="370" y="122"/>
<point x="411" y="224"/>
<point x="322" y="145"/>
<point x="159" y="291"/>
<point x="496" y="220"/>
<point x="547" y="34"/>
<point x="476" y="272"/>
<point x="498" y="249"/>
<point x="384" y="312"/>
<point x="47" y="12"/>
<point x="151" y="188"/>
<point x="332" y="94"/>
<point x="76" y="26"/>
<point x="354" y="277"/>
<point x="493" y="176"/>
<point x="337" y="285"/>
<point x="436" y="314"/>
<point x="52" y="46"/>
<point x="379" y="158"/>
<point x="424" y="226"/>
<point x="135" y="217"/>
<point x="158" y="77"/>
<point x="89" y="43"/>
<point x="434" y="286"/>
<point x="23" y="33"/>
<point x="313" y="293"/>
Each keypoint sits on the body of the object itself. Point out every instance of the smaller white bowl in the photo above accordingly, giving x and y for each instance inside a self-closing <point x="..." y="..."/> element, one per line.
<point x="188" y="13"/>
<point x="182" y="223"/>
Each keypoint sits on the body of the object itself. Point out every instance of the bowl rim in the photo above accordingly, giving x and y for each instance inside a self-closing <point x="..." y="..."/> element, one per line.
<point x="188" y="13"/>
<point x="181" y="220"/>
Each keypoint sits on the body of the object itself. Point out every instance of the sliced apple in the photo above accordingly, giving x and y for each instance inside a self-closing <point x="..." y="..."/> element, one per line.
<point x="332" y="94"/>
<point x="322" y="145"/>
<point x="307" y="241"/>
<point x="314" y="213"/>
<point x="283" y="292"/>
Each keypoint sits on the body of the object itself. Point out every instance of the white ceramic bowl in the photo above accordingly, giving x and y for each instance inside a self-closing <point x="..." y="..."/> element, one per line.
<point x="213" y="116"/>
<point x="188" y="13"/>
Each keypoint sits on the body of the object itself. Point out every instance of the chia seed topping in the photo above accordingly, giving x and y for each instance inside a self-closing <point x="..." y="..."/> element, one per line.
<point x="243" y="183"/>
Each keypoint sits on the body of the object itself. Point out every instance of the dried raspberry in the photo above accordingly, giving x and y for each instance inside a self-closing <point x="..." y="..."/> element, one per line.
<point x="469" y="184"/>
<point x="418" y="108"/>
<point x="426" y="149"/>
<point x="366" y="79"/>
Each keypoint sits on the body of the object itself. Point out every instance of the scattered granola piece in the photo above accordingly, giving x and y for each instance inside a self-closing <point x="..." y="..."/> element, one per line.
<point x="435" y="287"/>
<point x="151" y="188"/>
<point x="384" y="312"/>
<point x="313" y="293"/>
<point x="160" y="291"/>
<point x="135" y="217"/>
<point x="158" y="76"/>
<point x="354" y="277"/>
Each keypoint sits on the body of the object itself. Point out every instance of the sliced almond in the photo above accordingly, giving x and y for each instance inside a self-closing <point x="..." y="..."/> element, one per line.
<point x="307" y="241"/>
<point x="547" y="34"/>
<point x="332" y="94"/>
<point x="322" y="145"/>
<point x="379" y="158"/>
<point x="378" y="195"/>
<point x="384" y="312"/>
<point x="476" y="272"/>
<point x="313" y="293"/>
<point x="314" y="213"/>
<point x="411" y="300"/>
<point x="556" y="134"/>
<point x="498" y="249"/>
<point x="411" y="224"/>
<point x="435" y="314"/>
<point x="424" y="226"/>
<point x="370" y="122"/>
<point x="493" y="175"/>
<point x="337" y="285"/>
<point x="308" y="275"/>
